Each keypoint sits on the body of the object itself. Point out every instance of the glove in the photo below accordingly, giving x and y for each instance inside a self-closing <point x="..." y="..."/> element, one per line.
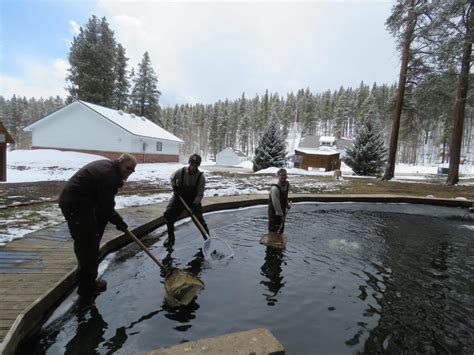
<point x="122" y="226"/>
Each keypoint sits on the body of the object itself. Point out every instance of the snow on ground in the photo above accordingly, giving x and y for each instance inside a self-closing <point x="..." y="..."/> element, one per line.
<point x="49" y="165"/>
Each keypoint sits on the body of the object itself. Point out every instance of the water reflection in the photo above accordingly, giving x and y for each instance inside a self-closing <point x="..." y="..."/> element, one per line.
<point x="182" y="315"/>
<point x="116" y="342"/>
<point x="194" y="266"/>
<point x="415" y="301"/>
<point x="386" y="283"/>
<point x="91" y="326"/>
<point x="271" y="269"/>
<point x="439" y="261"/>
<point x="196" y="263"/>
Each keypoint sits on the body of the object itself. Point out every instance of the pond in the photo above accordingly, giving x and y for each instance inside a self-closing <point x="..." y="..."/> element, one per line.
<point x="354" y="277"/>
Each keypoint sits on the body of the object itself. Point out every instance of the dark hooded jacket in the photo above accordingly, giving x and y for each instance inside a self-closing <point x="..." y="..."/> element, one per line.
<point x="94" y="187"/>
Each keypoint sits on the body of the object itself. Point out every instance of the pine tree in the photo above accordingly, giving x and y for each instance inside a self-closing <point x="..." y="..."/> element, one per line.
<point x="244" y="126"/>
<point x="122" y="85"/>
<point x="404" y="24"/>
<point x="368" y="155"/>
<point x="271" y="149"/>
<point x="213" y="129"/>
<point x="145" y="93"/>
<point x="464" y="12"/>
<point x="92" y="60"/>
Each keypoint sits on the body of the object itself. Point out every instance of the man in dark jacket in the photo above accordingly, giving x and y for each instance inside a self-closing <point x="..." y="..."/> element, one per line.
<point x="278" y="203"/>
<point x="188" y="183"/>
<point x="88" y="204"/>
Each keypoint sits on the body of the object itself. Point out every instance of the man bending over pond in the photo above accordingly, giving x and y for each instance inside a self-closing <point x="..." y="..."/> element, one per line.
<point x="88" y="204"/>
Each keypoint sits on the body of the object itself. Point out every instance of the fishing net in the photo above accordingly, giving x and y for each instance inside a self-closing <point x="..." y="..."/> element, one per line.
<point x="182" y="287"/>
<point x="216" y="249"/>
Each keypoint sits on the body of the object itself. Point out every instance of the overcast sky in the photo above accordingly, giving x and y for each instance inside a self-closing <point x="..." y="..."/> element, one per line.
<point x="206" y="51"/>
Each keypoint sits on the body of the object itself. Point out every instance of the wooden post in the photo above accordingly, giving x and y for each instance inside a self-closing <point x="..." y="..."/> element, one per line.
<point x="5" y="138"/>
<point x="3" y="158"/>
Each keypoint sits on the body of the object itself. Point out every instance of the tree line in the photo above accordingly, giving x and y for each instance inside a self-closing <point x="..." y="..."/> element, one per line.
<point x="427" y="117"/>
<point x="207" y="129"/>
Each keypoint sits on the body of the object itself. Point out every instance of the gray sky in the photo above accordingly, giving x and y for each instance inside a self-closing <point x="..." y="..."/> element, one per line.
<point x="209" y="51"/>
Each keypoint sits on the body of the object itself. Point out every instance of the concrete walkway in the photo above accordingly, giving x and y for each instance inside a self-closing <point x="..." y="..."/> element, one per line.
<point x="38" y="270"/>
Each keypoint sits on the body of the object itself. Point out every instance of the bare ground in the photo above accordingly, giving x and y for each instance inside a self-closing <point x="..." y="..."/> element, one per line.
<point x="26" y="207"/>
<point x="12" y="194"/>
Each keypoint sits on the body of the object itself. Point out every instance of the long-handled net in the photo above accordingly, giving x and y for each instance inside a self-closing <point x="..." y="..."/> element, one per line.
<point x="181" y="287"/>
<point x="214" y="249"/>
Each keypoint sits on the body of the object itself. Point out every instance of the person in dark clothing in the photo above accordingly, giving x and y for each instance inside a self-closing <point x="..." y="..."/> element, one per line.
<point x="278" y="203"/>
<point x="88" y="204"/>
<point x="189" y="183"/>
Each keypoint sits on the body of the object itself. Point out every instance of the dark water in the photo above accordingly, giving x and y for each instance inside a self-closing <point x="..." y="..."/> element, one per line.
<point x="354" y="278"/>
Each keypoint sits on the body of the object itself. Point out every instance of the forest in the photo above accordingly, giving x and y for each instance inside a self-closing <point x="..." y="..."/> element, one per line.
<point x="426" y="118"/>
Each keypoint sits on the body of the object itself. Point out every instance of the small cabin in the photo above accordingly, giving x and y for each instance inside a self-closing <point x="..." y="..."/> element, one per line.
<point x="326" y="159"/>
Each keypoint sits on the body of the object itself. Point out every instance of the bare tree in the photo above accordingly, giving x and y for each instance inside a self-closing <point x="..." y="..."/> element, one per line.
<point x="410" y="22"/>
<point x="460" y="107"/>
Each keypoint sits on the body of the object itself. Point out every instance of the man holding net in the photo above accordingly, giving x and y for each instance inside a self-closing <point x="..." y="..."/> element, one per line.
<point x="88" y="204"/>
<point x="278" y="203"/>
<point x="187" y="183"/>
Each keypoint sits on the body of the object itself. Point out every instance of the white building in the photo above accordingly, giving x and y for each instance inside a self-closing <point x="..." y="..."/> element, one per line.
<point x="89" y="128"/>
<point x="230" y="156"/>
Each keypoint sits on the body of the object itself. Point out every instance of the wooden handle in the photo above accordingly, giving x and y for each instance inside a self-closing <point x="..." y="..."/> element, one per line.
<point x="199" y="225"/>
<point x="145" y="249"/>
<point x="283" y="221"/>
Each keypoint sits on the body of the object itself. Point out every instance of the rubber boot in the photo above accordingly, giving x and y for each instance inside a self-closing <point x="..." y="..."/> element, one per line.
<point x="169" y="242"/>
<point x="93" y="289"/>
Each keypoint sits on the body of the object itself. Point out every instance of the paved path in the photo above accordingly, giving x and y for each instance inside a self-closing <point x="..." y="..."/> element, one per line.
<point x="37" y="271"/>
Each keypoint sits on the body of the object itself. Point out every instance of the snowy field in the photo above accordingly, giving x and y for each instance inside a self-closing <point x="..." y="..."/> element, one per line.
<point x="53" y="165"/>
<point x="48" y="165"/>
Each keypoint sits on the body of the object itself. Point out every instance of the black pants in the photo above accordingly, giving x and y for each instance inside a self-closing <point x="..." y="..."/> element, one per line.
<point x="86" y="231"/>
<point x="275" y="222"/>
<point x="173" y="212"/>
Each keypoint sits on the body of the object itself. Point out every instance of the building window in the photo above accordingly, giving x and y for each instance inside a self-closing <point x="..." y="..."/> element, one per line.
<point x="159" y="146"/>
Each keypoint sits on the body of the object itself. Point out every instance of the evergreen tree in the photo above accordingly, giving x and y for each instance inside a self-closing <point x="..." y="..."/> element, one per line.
<point x="368" y="155"/>
<point x="289" y="113"/>
<point x="263" y="113"/>
<point x="404" y="23"/>
<point x="326" y="114"/>
<point x="214" y="140"/>
<point x="92" y="60"/>
<point x="122" y="85"/>
<point x="464" y="13"/>
<point x="244" y="126"/>
<point x="145" y="93"/>
<point x="271" y="149"/>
